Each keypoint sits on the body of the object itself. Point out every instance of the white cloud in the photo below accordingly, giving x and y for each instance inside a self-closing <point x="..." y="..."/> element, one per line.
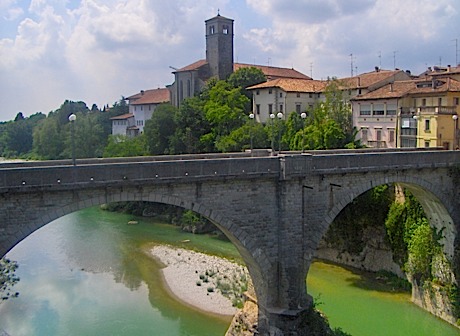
<point x="99" y="50"/>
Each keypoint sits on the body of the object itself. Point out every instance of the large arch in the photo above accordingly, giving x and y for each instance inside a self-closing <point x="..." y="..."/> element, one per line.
<point x="254" y="258"/>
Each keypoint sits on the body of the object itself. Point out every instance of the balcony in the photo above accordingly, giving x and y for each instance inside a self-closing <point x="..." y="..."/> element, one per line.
<point x="437" y="110"/>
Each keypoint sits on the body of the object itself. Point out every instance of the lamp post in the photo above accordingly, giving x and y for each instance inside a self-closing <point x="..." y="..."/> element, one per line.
<point x="272" y="117"/>
<point x="280" y="116"/>
<point x="303" y="115"/>
<point x="416" y="118"/>
<point x="72" y="119"/>
<point x="251" y="117"/>
<point x="455" y="118"/>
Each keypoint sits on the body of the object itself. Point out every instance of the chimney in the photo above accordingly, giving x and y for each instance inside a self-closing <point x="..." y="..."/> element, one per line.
<point x="448" y="68"/>
<point x="142" y="92"/>
<point x="377" y="69"/>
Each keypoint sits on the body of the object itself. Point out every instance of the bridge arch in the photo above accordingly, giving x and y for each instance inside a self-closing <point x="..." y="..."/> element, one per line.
<point x="437" y="202"/>
<point x="254" y="257"/>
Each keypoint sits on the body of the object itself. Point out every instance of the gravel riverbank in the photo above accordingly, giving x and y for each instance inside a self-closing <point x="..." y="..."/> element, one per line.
<point x="205" y="282"/>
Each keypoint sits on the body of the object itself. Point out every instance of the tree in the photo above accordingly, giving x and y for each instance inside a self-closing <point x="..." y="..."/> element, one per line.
<point x="8" y="278"/>
<point x="159" y="129"/>
<point x="246" y="77"/>
<point x="224" y="110"/>
<point x="48" y="143"/>
<point x="122" y="146"/>
<point x="191" y="126"/>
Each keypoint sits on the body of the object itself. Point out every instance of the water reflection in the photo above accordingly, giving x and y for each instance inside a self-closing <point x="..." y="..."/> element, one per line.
<point x="86" y="274"/>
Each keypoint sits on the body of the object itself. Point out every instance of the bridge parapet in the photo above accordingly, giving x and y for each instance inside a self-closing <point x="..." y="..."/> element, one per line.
<point x="58" y="177"/>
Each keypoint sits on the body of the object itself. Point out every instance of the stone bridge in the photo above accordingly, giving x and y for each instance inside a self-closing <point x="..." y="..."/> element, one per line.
<point x="274" y="208"/>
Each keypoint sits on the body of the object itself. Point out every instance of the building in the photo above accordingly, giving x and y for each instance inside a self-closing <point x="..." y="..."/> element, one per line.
<point x="124" y="125"/>
<point x="422" y="112"/>
<point x="219" y="63"/>
<point x="141" y="108"/>
<point x="285" y="95"/>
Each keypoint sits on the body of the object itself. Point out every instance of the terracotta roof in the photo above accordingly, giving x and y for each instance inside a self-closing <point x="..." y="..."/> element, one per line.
<point x="155" y="96"/>
<point x="123" y="116"/>
<point x="393" y="90"/>
<point x="441" y="71"/>
<point x="193" y="66"/>
<point x="273" y="72"/>
<point x="367" y="79"/>
<point x="293" y="85"/>
<point x="413" y="87"/>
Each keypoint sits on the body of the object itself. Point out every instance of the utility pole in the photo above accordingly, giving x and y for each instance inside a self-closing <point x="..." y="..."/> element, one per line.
<point x="351" y="65"/>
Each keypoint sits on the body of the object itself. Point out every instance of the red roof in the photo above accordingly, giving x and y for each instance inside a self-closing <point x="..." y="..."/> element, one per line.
<point x="273" y="72"/>
<point x="123" y="116"/>
<point x="270" y="72"/>
<point x="293" y="85"/>
<point x="155" y="96"/>
<point x="367" y="79"/>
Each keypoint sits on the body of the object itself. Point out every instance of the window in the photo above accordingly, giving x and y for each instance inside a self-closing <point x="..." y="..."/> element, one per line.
<point x="365" y="110"/>
<point x="270" y="108"/>
<point x="378" y="134"/>
<point x="391" y="109"/>
<point x="281" y="95"/>
<point x="269" y="91"/>
<point x="391" y="135"/>
<point x="310" y="95"/>
<point x="257" y="92"/>
<point x="439" y="101"/>
<point x="427" y="125"/>
<point x="379" y="109"/>
<point x="423" y="102"/>
<point x="298" y="108"/>
<point x="456" y="101"/>
<point x="364" y="134"/>
<point x="258" y="109"/>
<point x="298" y="94"/>
<point x="427" y="144"/>
<point x="281" y="108"/>
<point x="225" y="30"/>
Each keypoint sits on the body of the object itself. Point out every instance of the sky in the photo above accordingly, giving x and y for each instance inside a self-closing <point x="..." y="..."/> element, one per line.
<point x="98" y="51"/>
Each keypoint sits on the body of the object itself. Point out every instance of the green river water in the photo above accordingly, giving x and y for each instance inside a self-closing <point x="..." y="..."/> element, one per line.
<point x="88" y="274"/>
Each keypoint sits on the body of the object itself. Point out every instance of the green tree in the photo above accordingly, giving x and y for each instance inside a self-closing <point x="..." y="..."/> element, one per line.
<point x="240" y="138"/>
<point x="160" y="128"/>
<point x="88" y="135"/>
<point x="48" y="143"/>
<point x="122" y="146"/>
<point x="244" y="78"/>
<point x="191" y="126"/>
<point x="225" y="108"/>
<point x="8" y="278"/>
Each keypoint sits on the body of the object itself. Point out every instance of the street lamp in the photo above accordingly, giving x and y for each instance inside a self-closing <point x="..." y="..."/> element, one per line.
<point x="251" y="116"/>
<point x="455" y="118"/>
<point x="303" y="115"/>
<point x="272" y="117"/>
<point x="280" y="116"/>
<point x="72" y="119"/>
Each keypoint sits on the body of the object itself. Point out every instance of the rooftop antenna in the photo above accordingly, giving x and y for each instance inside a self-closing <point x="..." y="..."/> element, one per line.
<point x="440" y="60"/>
<point x="268" y="62"/>
<point x="351" y="65"/>
<point x="394" y="59"/>
<point x="311" y="69"/>
<point x="456" y="52"/>
<point x="380" y="59"/>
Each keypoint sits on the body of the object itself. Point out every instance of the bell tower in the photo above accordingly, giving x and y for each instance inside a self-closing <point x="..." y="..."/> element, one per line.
<point x="219" y="46"/>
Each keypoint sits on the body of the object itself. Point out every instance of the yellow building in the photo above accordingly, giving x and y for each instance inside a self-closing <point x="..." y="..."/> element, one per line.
<point x="436" y="103"/>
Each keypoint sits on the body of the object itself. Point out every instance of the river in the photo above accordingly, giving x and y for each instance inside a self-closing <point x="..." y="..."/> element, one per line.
<point x="88" y="274"/>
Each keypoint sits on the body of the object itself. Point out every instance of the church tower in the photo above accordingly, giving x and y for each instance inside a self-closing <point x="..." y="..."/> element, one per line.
<point x="219" y="46"/>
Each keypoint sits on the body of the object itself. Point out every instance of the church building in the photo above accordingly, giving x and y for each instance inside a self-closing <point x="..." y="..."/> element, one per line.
<point x="219" y="63"/>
